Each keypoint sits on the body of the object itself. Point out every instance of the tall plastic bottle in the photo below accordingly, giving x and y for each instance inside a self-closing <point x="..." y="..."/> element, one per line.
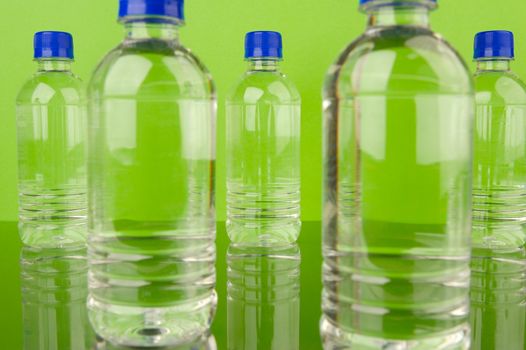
<point x="263" y="149"/>
<point x="151" y="167"/>
<point x="263" y="301"/>
<point x="398" y="107"/>
<point x="51" y="148"/>
<point x="498" y="264"/>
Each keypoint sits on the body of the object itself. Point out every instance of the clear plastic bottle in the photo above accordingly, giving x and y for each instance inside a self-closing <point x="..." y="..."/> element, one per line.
<point x="498" y="264"/>
<point x="151" y="198"/>
<point x="51" y="148"/>
<point x="263" y="149"/>
<point x="263" y="311"/>
<point x="398" y="107"/>
<point x="54" y="290"/>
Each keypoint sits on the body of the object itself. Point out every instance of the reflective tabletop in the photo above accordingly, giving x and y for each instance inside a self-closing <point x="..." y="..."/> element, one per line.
<point x="267" y="299"/>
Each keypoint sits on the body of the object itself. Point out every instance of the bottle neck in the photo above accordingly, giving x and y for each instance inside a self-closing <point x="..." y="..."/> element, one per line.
<point x="494" y="65"/>
<point x="416" y="15"/>
<point x="263" y="65"/>
<point x="54" y="65"/>
<point x="137" y="30"/>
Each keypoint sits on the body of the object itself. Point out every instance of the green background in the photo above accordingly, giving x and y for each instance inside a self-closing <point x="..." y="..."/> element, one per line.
<point x="315" y="31"/>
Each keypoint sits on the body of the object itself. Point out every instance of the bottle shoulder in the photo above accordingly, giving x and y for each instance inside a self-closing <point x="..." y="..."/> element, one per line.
<point x="51" y="87"/>
<point x="499" y="88"/>
<point x="399" y="60"/>
<point x="268" y="87"/>
<point x="150" y="69"/>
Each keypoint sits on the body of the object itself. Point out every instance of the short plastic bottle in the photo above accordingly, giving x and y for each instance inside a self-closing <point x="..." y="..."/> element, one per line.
<point x="263" y="149"/>
<point x="51" y="132"/>
<point x="498" y="262"/>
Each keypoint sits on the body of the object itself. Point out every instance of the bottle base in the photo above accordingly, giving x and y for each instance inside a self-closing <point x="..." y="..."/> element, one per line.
<point x="263" y="235"/>
<point x="48" y="236"/>
<point x="152" y="327"/>
<point x="207" y="342"/>
<point x="334" y="338"/>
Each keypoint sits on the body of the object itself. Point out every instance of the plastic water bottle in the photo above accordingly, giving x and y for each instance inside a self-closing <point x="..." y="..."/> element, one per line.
<point x="263" y="298"/>
<point x="263" y="149"/>
<point x="398" y="120"/>
<point x="498" y="265"/>
<point x="152" y="156"/>
<point x="51" y="153"/>
<point x="54" y="290"/>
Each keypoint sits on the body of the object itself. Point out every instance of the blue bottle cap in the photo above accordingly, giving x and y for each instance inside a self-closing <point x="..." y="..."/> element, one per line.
<point x="161" y="8"/>
<point x="493" y="44"/>
<point x="53" y="45"/>
<point x="263" y="44"/>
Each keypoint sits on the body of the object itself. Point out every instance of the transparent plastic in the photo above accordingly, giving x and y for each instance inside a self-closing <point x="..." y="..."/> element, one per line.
<point x="152" y="224"/>
<point x="498" y="264"/>
<point x="263" y="157"/>
<point x="54" y="290"/>
<point x="263" y="301"/>
<point x="398" y="107"/>
<point x="51" y="157"/>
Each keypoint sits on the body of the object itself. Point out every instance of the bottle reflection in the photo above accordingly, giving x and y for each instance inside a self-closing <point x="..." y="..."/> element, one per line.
<point x="263" y="298"/>
<point x="498" y="292"/>
<point x="54" y="292"/>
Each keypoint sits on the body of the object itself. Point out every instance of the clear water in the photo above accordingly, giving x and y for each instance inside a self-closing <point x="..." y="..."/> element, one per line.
<point x="54" y="291"/>
<point x="396" y="223"/>
<point x="51" y="158"/>
<point x="498" y="265"/>
<point x="263" y="299"/>
<point x="263" y="158"/>
<point x="152" y="229"/>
